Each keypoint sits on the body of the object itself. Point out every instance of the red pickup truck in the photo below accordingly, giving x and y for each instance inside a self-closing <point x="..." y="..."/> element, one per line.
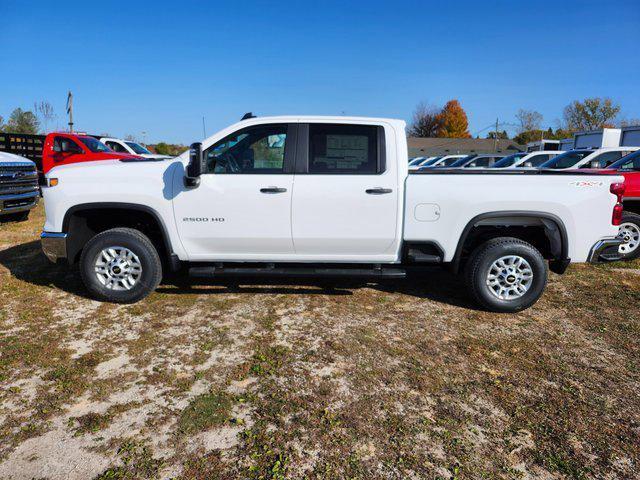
<point x="629" y="168"/>
<point x="62" y="148"/>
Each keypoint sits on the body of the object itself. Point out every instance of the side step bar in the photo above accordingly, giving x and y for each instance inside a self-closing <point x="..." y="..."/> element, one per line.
<point x="215" y="271"/>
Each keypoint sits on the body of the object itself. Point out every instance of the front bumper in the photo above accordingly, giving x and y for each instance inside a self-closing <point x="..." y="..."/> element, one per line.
<point x="606" y="250"/>
<point x="17" y="203"/>
<point x="54" y="245"/>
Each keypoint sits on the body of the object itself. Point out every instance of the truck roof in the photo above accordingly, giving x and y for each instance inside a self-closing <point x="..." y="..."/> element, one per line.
<point x="320" y="118"/>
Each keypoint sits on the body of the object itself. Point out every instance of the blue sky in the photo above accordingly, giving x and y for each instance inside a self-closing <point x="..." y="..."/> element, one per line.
<point x="161" y="66"/>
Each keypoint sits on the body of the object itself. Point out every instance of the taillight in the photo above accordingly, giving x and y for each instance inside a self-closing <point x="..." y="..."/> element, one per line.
<point x="618" y="190"/>
<point x="616" y="218"/>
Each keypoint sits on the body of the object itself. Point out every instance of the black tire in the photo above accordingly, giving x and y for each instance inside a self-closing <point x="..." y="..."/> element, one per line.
<point x="633" y="220"/>
<point x="479" y="265"/>
<point x="15" y="217"/>
<point x="137" y="243"/>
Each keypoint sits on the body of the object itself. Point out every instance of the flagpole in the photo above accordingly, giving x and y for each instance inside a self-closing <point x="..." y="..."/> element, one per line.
<point x="70" y="110"/>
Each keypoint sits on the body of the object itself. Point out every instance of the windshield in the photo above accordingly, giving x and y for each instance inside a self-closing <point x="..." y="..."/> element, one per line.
<point x="94" y="145"/>
<point x="629" y="162"/>
<point x="461" y="162"/>
<point x="510" y="160"/>
<point x="139" y="149"/>
<point x="429" y="162"/>
<point x="566" y="160"/>
<point x="448" y="161"/>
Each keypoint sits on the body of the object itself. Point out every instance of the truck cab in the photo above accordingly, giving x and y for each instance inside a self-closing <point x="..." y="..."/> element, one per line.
<point x="63" y="148"/>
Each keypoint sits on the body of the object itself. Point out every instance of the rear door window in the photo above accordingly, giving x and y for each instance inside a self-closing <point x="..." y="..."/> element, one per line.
<point x="343" y="149"/>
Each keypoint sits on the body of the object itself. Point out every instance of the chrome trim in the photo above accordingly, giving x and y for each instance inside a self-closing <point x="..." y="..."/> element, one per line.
<point x="3" y="198"/>
<point x="54" y="245"/>
<point x="596" y="253"/>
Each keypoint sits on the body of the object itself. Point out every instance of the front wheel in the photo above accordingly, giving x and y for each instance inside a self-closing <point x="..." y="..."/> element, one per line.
<point x="630" y="233"/>
<point x="120" y="265"/>
<point x="506" y="274"/>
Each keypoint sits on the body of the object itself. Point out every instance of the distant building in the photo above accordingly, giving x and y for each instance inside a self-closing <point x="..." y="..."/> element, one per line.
<point x="424" y="147"/>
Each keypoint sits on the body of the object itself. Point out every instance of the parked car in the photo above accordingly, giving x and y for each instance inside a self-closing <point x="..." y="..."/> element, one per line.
<point x="476" y="161"/>
<point x="588" y="158"/>
<point x="230" y="206"/>
<point x="62" y="148"/>
<point x="19" y="191"/>
<point x="415" y="162"/>
<point x="445" y="161"/>
<point x="429" y="161"/>
<point x="527" y="159"/>
<point x="132" y="148"/>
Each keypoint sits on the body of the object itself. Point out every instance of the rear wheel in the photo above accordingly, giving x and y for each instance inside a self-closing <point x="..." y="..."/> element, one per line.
<point x="506" y="274"/>
<point x="630" y="233"/>
<point x="120" y="265"/>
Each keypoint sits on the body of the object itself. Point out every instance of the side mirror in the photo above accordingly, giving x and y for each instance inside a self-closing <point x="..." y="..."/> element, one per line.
<point x="596" y="164"/>
<point x="194" y="169"/>
<point x="527" y="164"/>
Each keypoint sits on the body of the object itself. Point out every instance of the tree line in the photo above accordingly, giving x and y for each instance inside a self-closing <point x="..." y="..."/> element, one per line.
<point x="451" y="121"/>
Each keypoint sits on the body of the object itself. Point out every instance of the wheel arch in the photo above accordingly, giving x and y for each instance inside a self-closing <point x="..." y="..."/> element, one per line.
<point x="552" y="225"/>
<point x="75" y="243"/>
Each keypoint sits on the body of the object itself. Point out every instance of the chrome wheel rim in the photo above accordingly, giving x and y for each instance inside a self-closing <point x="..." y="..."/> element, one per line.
<point x="509" y="277"/>
<point x="630" y="234"/>
<point x="118" y="268"/>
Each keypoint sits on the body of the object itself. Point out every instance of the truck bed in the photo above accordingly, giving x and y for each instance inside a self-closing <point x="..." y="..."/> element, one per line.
<point x="441" y="203"/>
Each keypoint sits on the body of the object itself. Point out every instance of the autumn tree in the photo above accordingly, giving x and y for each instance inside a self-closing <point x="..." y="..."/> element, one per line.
<point x="425" y="122"/>
<point x="453" y="121"/>
<point x="21" y="121"/>
<point x="590" y="114"/>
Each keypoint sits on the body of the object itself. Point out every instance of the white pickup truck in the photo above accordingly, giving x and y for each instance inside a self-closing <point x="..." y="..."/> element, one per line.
<point x="19" y="191"/>
<point x="321" y="196"/>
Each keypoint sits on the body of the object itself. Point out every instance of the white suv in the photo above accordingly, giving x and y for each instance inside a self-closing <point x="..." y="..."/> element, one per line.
<point x="127" y="146"/>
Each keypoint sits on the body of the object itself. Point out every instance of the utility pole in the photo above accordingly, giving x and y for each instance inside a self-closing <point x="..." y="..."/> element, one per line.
<point x="495" y="138"/>
<point x="70" y="110"/>
<point x="204" y="129"/>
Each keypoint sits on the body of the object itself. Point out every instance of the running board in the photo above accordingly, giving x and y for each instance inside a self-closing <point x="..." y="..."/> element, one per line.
<point x="212" y="271"/>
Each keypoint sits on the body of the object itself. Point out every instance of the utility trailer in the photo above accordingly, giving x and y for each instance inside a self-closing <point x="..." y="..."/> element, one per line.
<point x="603" y="138"/>
<point x="566" y="144"/>
<point x="25" y="145"/>
<point x="630" y="136"/>
<point x="543" y="145"/>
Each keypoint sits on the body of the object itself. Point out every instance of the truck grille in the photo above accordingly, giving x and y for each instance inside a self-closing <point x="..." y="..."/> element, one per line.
<point x="18" y="186"/>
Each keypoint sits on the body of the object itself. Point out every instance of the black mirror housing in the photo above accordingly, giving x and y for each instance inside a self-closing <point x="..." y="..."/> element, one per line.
<point x="194" y="169"/>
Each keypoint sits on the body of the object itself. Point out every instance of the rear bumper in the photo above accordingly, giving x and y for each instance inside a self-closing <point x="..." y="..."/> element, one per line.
<point x="54" y="245"/>
<point x="17" y="203"/>
<point x="605" y="250"/>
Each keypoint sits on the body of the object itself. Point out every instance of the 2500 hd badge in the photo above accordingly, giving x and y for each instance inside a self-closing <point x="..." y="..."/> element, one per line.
<point x="203" y="219"/>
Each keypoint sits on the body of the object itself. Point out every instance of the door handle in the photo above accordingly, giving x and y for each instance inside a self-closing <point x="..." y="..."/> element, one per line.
<point x="378" y="191"/>
<point x="272" y="190"/>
